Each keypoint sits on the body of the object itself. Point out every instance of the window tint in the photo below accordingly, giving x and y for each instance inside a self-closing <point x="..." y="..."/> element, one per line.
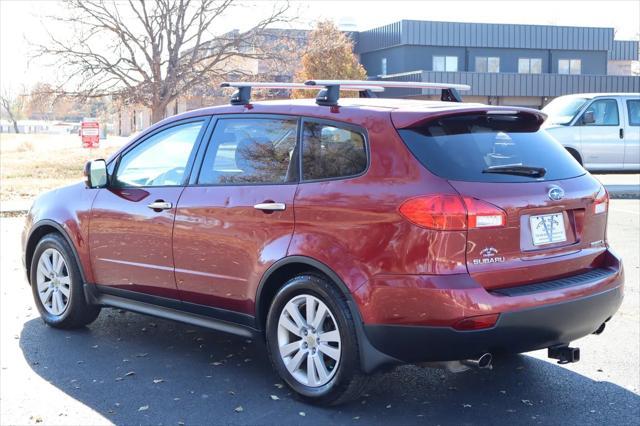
<point x="463" y="148"/>
<point x="605" y="112"/>
<point x="331" y="152"/>
<point x="159" y="160"/>
<point x="634" y="112"/>
<point x="250" y="151"/>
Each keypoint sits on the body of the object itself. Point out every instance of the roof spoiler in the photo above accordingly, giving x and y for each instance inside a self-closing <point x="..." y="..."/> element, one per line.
<point x="530" y="119"/>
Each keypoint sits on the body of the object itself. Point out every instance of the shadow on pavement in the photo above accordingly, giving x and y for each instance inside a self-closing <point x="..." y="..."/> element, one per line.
<point x="201" y="377"/>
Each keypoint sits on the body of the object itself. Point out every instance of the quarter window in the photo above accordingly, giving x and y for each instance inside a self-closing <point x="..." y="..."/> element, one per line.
<point x="160" y="160"/>
<point x="331" y="152"/>
<point x="384" y="66"/>
<point x="605" y="112"/>
<point x="487" y="64"/>
<point x="633" y="107"/>
<point x="570" y="66"/>
<point x="530" y="65"/>
<point x="250" y="151"/>
<point x="445" y="63"/>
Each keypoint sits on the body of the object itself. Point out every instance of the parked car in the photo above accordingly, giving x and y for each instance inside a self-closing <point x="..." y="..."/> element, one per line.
<point x="600" y="130"/>
<point x="351" y="235"/>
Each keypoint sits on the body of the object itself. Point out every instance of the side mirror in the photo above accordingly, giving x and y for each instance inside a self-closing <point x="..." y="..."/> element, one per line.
<point x="95" y="174"/>
<point x="588" y="118"/>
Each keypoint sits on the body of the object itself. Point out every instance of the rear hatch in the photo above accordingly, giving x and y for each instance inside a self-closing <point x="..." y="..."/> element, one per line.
<point x="533" y="213"/>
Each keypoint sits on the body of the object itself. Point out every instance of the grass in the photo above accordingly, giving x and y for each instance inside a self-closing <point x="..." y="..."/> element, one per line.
<point x="31" y="163"/>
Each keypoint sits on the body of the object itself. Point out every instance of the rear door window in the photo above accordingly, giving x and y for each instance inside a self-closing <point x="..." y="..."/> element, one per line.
<point x="466" y="147"/>
<point x="633" y="107"/>
<point x="331" y="152"/>
<point x="251" y="151"/>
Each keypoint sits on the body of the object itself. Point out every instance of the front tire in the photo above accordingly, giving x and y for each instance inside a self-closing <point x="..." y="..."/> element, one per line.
<point x="57" y="285"/>
<point x="312" y="343"/>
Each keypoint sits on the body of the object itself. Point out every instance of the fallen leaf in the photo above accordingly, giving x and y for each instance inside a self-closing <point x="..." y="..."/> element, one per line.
<point x="274" y="397"/>
<point x="130" y="373"/>
<point x="143" y="408"/>
<point x="156" y="381"/>
<point x="232" y="393"/>
<point x="302" y="413"/>
<point x="466" y="405"/>
<point x="278" y="385"/>
<point x="504" y="392"/>
<point x="142" y="355"/>
<point x="389" y="406"/>
<point x="118" y="379"/>
<point x="356" y="418"/>
<point x="526" y="402"/>
<point x="238" y="409"/>
<point x="94" y="346"/>
<point x="215" y="363"/>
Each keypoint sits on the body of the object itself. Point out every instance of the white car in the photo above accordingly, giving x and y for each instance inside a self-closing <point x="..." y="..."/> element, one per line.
<point x="601" y="130"/>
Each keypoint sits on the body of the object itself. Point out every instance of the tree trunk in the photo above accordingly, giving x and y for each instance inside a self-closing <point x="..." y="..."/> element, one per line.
<point x="157" y="112"/>
<point x="15" y="125"/>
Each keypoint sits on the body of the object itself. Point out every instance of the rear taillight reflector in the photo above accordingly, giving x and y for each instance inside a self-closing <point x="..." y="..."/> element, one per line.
<point x="477" y="323"/>
<point x="483" y="214"/>
<point x="601" y="203"/>
<point x="452" y="213"/>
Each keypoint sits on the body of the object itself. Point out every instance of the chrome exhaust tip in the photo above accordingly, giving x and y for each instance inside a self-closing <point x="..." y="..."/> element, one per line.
<point x="484" y="361"/>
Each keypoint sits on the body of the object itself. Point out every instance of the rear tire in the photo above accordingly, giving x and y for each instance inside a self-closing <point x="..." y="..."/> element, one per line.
<point x="315" y="350"/>
<point x="57" y="285"/>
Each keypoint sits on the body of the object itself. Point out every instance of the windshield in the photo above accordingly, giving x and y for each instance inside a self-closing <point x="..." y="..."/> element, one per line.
<point x="481" y="148"/>
<point x="562" y="110"/>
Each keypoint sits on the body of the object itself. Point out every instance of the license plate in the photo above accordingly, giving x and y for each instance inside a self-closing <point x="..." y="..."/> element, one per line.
<point x="547" y="229"/>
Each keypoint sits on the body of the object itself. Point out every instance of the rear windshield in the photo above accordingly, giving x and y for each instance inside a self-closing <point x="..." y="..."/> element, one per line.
<point x="467" y="147"/>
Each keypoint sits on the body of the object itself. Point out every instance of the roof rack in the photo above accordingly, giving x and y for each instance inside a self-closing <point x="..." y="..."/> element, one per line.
<point x="331" y="94"/>
<point x="242" y="96"/>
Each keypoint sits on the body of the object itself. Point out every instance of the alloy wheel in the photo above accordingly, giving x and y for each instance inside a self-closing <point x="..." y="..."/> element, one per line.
<point x="53" y="281"/>
<point x="309" y="340"/>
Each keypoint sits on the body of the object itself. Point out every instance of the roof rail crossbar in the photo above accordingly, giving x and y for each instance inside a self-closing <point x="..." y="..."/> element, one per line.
<point x="242" y="96"/>
<point x="449" y="91"/>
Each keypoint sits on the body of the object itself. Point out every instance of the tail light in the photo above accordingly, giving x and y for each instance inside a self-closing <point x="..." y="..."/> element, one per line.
<point x="601" y="203"/>
<point x="452" y="213"/>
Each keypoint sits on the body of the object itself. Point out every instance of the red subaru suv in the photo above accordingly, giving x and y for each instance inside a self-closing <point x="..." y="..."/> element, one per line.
<point x="351" y="234"/>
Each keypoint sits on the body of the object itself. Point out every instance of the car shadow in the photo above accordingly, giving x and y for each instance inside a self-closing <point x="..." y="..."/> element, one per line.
<point x="182" y="373"/>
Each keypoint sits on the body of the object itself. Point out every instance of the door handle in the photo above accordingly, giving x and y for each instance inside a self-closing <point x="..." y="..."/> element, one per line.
<point x="270" y="206"/>
<point x="160" y="205"/>
<point x="621" y="133"/>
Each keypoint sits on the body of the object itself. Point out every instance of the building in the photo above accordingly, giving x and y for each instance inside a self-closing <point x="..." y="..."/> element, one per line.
<point x="505" y="64"/>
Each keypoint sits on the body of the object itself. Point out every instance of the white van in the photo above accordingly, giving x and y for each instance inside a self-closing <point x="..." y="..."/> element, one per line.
<point x="601" y="130"/>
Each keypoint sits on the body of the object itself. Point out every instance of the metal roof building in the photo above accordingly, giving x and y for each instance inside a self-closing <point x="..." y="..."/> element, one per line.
<point x="504" y="63"/>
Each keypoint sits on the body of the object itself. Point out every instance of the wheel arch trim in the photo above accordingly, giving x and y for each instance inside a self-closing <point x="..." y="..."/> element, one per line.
<point x="32" y="245"/>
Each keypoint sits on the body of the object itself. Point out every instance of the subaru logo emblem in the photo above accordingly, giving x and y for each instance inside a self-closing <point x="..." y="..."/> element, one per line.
<point x="556" y="193"/>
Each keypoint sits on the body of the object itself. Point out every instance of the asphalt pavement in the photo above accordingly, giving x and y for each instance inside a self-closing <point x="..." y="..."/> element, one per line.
<point x="131" y="369"/>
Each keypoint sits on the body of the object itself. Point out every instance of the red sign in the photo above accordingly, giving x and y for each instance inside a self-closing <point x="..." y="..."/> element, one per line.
<point x="90" y="133"/>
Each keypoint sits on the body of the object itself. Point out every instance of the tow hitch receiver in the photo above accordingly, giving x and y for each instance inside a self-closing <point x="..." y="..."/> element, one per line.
<point x="564" y="354"/>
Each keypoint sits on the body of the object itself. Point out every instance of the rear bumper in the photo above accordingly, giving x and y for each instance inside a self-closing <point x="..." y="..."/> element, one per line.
<point x="519" y="331"/>
<point x="410" y="318"/>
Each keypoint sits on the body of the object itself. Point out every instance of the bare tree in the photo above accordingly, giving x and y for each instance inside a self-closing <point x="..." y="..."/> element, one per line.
<point x="150" y="52"/>
<point x="12" y="106"/>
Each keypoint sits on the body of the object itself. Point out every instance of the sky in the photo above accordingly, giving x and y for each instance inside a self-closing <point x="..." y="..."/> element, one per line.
<point x="21" y="22"/>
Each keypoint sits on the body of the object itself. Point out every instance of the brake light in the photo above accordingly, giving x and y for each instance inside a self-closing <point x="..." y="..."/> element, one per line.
<point x="452" y="213"/>
<point x="442" y="212"/>
<point x="601" y="203"/>
<point x="477" y="322"/>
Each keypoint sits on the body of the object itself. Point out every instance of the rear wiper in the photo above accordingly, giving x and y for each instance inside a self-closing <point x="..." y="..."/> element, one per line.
<point x="517" y="169"/>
